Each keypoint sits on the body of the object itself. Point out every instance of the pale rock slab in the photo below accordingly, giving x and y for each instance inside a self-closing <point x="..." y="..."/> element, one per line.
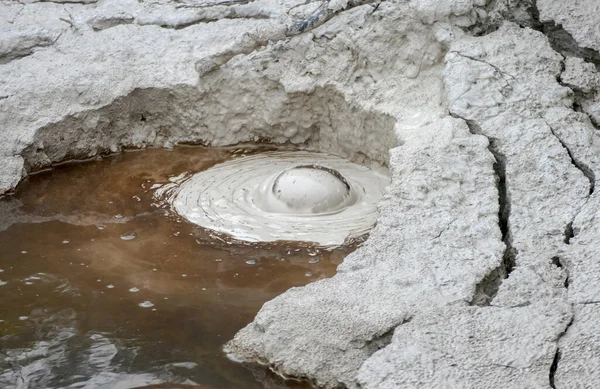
<point x="505" y="84"/>
<point x="470" y="347"/>
<point x="579" y="355"/>
<point x="580" y="18"/>
<point x="548" y="258"/>
<point x="584" y="79"/>
<point x="327" y="329"/>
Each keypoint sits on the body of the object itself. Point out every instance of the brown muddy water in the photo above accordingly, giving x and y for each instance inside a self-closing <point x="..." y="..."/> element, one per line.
<point x="99" y="288"/>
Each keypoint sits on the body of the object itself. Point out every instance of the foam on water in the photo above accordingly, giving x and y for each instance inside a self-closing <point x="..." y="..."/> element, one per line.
<point x="294" y="196"/>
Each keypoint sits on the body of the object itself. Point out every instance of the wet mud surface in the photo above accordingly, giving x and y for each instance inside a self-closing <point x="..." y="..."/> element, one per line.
<point x="100" y="288"/>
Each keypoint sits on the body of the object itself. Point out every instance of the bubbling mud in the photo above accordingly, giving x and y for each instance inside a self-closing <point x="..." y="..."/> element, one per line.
<point x="294" y="196"/>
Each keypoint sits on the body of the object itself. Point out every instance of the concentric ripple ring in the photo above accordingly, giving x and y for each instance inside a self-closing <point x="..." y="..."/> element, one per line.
<point x="295" y="196"/>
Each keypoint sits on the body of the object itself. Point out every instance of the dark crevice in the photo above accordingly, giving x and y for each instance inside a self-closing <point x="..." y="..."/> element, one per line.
<point x="105" y="24"/>
<point x="379" y="340"/>
<point x="587" y="172"/>
<point x="15" y="56"/>
<point x="578" y="106"/>
<point x="25" y="51"/>
<point x="580" y="97"/>
<point x="494" y="16"/>
<point x="66" y="2"/>
<point x="215" y="4"/>
<point x="569" y="233"/>
<point x="322" y="15"/>
<point x="487" y="288"/>
<point x="557" y="356"/>
<point x="554" y="367"/>
<point x="560" y="39"/>
<point x="558" y="263"/>
<point x="206" y="20"/>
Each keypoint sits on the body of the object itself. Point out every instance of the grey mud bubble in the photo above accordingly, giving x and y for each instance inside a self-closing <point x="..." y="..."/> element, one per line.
<point x="296" y="196"/>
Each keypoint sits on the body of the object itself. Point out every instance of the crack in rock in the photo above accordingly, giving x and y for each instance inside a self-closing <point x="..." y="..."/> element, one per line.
<point x="378" y="342"/>
<point x="585" y="170"/>
<point x="488" y="287"/>
<point x="82" y="2"/>
<point x="496" y="68"/>
<point x="23" y="46"/>
<point x="560" y="39"/>
<point x="211" y="19"/>
<point x="319" y="17"/>
<point x="322" y="15"/>
<point x="228" y="3"/>
<point x="569" y="233"/>
<point x="557" y="356"/>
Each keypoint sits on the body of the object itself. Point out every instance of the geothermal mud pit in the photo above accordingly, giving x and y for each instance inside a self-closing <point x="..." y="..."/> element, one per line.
<point x="483" y="267"/>
<point x="102" y="287"/>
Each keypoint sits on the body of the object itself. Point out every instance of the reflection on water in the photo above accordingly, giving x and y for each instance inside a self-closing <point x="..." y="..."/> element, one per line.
<point x="101" y="289"/>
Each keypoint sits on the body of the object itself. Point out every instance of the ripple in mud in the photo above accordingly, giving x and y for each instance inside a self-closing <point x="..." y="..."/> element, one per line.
<point x="78" y="314"/>
<point x="296" y="196"/>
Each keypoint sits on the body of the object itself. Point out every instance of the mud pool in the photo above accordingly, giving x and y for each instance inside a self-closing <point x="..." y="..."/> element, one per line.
<point x="100" y="288"/>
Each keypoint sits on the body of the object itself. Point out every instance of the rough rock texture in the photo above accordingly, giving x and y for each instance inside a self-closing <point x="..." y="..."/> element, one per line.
<point x="483" y="268"/>
<point x="510" y="346"/>
<point x="410" y="260"/>
<point x="583" y="78"/>
<point x="580" y="18"/>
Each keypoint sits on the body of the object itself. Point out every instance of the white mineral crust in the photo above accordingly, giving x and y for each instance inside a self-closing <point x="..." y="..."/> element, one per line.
<point x="483" y="267"/>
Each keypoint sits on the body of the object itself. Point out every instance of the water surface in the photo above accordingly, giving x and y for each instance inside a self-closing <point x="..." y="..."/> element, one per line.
<point x="100" y="288"/>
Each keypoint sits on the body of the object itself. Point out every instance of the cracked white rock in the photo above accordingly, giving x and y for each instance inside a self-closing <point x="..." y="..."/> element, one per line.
<point x="357" y="83"/>
<point x="581" y="18"/>
<point x="510" y="346"/>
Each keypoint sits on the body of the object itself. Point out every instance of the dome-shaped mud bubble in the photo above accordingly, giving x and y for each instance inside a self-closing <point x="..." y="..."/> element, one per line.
<point x="305" y="190"/>
<point x="295" y="196"/>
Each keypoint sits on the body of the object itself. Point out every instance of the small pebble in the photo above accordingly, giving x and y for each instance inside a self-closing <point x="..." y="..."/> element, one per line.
<point x="314" y="260"/>
<point x="308" y="274"/>
<point x="251" y="262"/>
<point x="23" y="317"/>
<point x="134" y="290"/>
<point x="146" y="304"/>
<point x="65" y="241"/>
<point x="111" y="286"/>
